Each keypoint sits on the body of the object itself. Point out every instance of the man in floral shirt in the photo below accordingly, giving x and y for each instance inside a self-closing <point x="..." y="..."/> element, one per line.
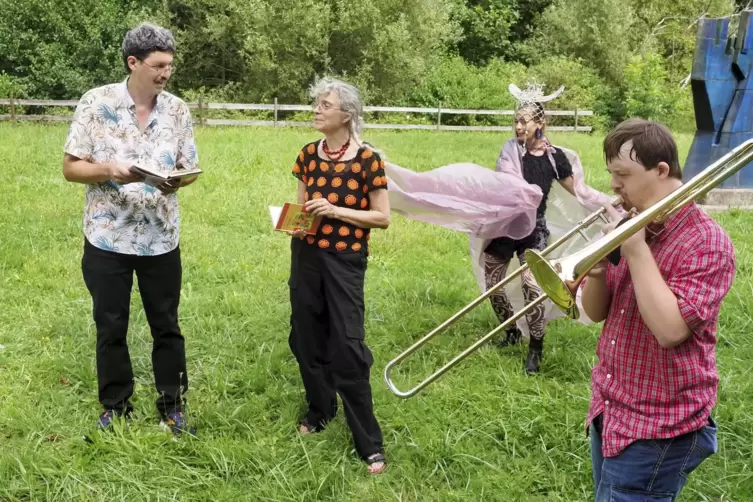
<point x="130" y="226"/>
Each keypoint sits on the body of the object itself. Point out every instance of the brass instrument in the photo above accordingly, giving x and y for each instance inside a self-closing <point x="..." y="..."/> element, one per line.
<point x="560" y="278"/>
<point x="579" y="228"/>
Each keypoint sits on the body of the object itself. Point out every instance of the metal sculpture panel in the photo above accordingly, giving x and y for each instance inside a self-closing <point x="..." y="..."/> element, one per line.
<point x="722" y="95"/>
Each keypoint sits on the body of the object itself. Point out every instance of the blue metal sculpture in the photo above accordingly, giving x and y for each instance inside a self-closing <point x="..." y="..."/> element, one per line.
<point x="722" y="95"/>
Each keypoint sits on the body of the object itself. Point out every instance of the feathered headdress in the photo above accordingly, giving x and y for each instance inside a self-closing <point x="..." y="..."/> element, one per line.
<point x="532" y="95"/>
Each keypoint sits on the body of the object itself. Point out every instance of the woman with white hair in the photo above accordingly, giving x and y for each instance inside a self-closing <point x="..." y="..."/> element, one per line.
<point x="343" y="181"/>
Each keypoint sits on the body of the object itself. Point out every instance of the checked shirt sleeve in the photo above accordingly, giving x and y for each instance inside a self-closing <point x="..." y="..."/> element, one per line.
<point x="700" y="283"/>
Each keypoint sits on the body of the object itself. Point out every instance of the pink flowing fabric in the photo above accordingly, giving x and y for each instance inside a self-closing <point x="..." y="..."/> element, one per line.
<point x="510" y="161"/>
<point x="486" y="204"/>
<point x="466" y="197"/>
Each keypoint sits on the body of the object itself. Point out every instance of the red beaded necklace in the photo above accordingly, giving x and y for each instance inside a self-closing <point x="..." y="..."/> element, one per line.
<point x="335" y="154"/>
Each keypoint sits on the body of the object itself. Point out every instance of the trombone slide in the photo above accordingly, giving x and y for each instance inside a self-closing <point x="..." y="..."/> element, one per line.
<point x="578" y="229"/>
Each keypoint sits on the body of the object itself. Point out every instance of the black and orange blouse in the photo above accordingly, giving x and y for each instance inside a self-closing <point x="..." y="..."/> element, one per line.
<point x="344" y="184"/>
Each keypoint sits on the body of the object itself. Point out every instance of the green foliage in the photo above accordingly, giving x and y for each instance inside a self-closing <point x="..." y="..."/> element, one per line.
<point x="668" y="28"/>
<point x="647" y="94"/>
<point x="614" y="57"/>
<point x="487" y="27"/>
<point x="59" y="49"/>
<point x="682" y="118"/>
<point x="496" y="28"/>
<point x="10" y="87"/>
<point x="453" y="83"/>
<point x="598" y="32"/>
<point x="584" y="88"/>
<point x="456" y="84"/>
<point x="263" y="49"/>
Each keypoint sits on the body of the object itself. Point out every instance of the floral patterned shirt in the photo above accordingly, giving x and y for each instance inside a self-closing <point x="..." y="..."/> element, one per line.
<point x="134" y="219"/>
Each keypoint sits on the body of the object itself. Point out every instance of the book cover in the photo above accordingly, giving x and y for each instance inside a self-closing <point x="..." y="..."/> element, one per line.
<point x="292" y="217"/>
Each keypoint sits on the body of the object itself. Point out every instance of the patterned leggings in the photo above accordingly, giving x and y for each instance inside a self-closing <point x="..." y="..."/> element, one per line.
<point x="495" y="270"/>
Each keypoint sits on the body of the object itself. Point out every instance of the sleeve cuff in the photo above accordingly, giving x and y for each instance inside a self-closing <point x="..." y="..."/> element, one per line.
<point x="189" y="165"/>
<point x="80" y="153"/>
<point x="691" y="316"/>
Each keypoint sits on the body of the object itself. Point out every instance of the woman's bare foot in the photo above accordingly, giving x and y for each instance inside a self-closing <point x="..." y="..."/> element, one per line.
<point x="305" y="428"/>
<point x="377" y="463"/>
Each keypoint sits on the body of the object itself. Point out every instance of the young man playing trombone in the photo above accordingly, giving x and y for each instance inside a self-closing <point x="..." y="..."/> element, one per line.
<point x="656" y="380"/>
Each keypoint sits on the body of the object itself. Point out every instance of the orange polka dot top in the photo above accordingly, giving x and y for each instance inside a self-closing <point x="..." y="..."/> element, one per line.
<point x="346" y="184"/>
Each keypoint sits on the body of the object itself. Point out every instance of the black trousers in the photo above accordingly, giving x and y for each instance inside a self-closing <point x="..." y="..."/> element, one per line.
<point x="109" y="278"/>
<point x="327" y="339"/>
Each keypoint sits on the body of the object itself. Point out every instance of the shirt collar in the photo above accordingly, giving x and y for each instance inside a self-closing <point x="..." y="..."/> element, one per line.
<point x="657" y="232"/>
<point x="131" y="105"/>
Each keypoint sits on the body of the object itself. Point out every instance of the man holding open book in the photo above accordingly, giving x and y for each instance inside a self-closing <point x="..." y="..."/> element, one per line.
<point x="120" y="133"/>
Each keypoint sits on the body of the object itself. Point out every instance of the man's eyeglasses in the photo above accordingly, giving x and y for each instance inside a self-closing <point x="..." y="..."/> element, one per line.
<point x="160" y="69"/>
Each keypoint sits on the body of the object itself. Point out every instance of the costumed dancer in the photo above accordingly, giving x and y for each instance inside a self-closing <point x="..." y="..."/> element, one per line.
<point x="540" y="164"/>
<point x="344" y="182"/>
<point x="532" y="156"/>
<point x="502" y="204"/>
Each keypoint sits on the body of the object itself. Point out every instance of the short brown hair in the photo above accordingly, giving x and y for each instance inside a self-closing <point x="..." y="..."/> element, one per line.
<point x="652" y="143"/>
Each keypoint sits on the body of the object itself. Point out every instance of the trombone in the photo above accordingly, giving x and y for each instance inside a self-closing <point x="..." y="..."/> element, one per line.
<point x="579" y="229"/>
<point x="560" y="278"/>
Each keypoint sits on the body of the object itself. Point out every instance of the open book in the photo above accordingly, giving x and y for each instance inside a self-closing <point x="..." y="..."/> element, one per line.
<point x="154" y="177"/>
<point x="292" y="217"/>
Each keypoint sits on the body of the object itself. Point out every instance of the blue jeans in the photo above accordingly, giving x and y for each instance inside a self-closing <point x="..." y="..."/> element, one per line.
<point x="653" y="470"/>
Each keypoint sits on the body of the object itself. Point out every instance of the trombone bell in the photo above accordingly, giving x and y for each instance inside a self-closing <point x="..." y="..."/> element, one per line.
<point x="551" y="284"/>
<point x="560" y="278"/>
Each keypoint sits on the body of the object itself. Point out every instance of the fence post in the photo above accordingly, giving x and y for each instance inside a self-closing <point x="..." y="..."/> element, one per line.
<point x="275" y="112"/>
<point x="200" y="112"/>
<point x="439" y="115"/>
<point x="576" y="120"/>
<point x="12" y="110"/>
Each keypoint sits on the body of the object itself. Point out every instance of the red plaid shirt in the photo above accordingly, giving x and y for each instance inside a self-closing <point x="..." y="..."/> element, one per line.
<point x="645" y="391"/>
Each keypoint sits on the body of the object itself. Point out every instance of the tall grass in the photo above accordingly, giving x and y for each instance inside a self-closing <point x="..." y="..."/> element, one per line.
<point x="482" y="432"/>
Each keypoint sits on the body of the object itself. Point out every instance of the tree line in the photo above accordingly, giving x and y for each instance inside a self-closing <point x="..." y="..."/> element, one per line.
<point x="618" y="58"/>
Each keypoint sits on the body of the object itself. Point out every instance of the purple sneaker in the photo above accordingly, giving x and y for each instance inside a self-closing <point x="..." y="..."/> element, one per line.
<point x="176" y="423"/>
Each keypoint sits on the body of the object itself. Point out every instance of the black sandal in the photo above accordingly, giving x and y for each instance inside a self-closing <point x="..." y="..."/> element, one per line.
<point x="373" y="459"/>
<point x="310" y="429"/>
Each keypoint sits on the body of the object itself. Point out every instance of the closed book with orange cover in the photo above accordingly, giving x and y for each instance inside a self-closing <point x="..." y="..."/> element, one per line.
<point x="292" y="217"/>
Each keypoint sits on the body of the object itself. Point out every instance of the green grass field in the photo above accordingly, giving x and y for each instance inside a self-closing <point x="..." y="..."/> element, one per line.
<point x="482" y="432"/>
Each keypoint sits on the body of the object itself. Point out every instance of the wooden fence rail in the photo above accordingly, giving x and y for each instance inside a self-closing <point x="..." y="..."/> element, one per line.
<point x="202" y="108"/>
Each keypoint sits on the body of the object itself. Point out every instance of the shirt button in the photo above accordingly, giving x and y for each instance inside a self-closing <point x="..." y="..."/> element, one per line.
<point x="622" y="311"/>
<point x="606" y="403"/>
<point x="609" y="376"/>
<point x="613" y="342"/>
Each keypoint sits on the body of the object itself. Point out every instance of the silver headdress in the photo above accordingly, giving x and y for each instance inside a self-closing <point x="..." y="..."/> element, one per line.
<point x="532" y="95"/>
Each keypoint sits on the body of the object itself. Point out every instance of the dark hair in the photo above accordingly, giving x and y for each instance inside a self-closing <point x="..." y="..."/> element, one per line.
<point x="652" y="143"/>
<point x="145" y="39"/>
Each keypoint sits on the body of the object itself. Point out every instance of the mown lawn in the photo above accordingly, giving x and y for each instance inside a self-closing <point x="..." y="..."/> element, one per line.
<point x="482" y="432"/>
